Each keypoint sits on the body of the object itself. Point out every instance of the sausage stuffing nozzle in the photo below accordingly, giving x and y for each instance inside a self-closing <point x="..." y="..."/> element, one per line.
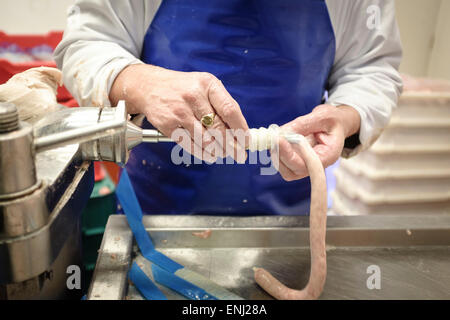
<point x="260" y="139"/>
<point x="153" y="136"/>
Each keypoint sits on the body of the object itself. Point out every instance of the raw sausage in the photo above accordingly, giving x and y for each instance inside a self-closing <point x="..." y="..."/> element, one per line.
<point x="317" y="225"/>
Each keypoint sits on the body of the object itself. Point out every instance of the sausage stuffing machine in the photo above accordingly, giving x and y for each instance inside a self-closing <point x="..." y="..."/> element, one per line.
<point x="46" y="179"/>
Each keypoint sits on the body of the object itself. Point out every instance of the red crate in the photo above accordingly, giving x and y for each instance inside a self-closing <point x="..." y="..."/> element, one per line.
<point x="8" y="69"/>
<point x="25" y="42"/>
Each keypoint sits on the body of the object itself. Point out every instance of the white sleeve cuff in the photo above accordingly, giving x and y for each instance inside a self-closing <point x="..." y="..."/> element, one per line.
<point x="90" y="80"/>
<point x="106" y="77"/>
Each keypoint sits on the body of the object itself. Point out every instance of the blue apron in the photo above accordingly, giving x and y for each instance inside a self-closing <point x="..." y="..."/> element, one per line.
<point x="274" y="58"/>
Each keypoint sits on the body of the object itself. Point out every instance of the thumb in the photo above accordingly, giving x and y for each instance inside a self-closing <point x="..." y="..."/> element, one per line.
<point x="305" y="125"/>
<point x="321" y="119"/>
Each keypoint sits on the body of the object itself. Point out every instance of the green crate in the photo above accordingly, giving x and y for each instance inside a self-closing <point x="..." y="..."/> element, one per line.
<point x="91" y="245"/>
<point x="99" y="207"/>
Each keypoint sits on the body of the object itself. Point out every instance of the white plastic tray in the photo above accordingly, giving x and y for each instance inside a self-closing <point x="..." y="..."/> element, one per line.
<point x="372" y="187"/>
<point x="345" y="205"/>
<point x="415" y="137"/>
<point x="398" y="164"/>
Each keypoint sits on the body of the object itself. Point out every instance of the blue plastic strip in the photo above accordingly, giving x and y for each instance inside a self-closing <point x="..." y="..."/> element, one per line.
<point x="130" y="204"/>
<point x="145" y="286"/>
<point x="180" y="285"/>
<point x="163" y="268"/>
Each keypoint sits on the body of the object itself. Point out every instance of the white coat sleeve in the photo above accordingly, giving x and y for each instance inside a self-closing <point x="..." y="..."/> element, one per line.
<point x="102" y="37"/>
<point x="365" y="71"/>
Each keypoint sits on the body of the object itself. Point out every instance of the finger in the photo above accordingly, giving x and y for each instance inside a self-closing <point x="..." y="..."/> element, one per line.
<point x="183" y="138"/>
<point x="218" y="132"/>
<point x="229" y="111"/>
<point x="190" y="137"/>
<point x="226" y="107"/>
<point x="225" y="141"/>
<point x="174" y="127"/>
<point x="291" y="159"/>
<point x="328" y="148"/>
<point x="311" y="139"/>
<point x="197" y="152"/>
<point x="284" y="171"/>
<point x="287" y="173"/>
<point x="221" y="135"/>
<point x="238" y="137"/>
<point x="203" y="108"/>
<point x="191" y="122"/>
<point x="234" y="139"/>
<point x="306" y="125"/>
<point x="193" y="148"/>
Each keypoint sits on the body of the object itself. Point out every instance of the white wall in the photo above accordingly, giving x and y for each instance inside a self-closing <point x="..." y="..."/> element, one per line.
<point x="417" y="23"/>
<point x="424" y="28"/>
<point x="439" y="65"/>
<point x="33" y="16"/>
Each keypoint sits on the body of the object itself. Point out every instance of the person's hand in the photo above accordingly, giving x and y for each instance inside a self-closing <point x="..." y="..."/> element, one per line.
<point x="326" y="128"/>
<point x="173" y="100"/>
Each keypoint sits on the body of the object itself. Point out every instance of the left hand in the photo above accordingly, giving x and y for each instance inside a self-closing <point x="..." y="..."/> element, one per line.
<point x="326" y="128"/>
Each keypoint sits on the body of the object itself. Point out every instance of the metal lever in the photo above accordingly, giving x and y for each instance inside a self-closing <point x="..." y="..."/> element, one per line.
<point x="103" y="134"/>
<point x="78" y="135"/>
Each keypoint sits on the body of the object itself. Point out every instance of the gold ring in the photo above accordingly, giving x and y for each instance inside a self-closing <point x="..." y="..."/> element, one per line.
<point x="208" y="120"/>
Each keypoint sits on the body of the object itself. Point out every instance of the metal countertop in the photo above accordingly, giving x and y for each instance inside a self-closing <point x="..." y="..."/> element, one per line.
<point x="412" y="252"/>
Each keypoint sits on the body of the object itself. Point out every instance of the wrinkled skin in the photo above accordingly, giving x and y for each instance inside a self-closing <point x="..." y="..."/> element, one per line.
<point x="171" y="100"/>
<point x="326" y="128"/>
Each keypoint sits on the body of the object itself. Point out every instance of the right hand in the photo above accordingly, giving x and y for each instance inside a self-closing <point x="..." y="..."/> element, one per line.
<point x="171" y="100"/>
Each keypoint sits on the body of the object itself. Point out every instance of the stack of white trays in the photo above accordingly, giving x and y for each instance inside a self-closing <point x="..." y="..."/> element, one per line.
<point x="407" y="170"/>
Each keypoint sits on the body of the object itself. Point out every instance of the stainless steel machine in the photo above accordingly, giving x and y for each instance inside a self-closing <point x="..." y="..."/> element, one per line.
<point x="46" y="178"/>
<point x="410" y="253"/>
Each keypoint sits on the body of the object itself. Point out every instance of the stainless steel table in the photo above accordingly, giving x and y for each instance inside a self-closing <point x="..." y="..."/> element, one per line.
<point x="412" y="253"/>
